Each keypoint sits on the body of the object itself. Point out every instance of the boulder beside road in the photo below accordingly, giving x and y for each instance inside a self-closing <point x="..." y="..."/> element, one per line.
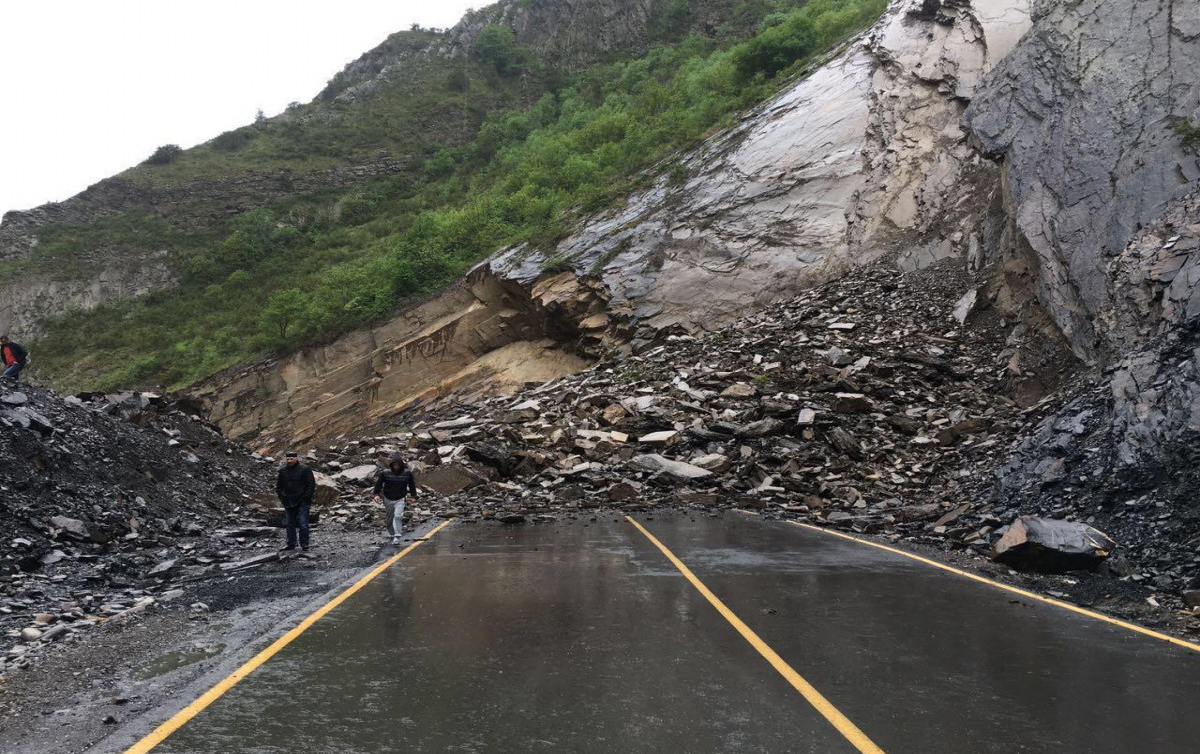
<point x="1052" y="546"/>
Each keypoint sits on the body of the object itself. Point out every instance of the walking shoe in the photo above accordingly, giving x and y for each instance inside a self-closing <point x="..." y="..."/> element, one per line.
<point x="395" y="540"/>
<point x="289" y="547"/>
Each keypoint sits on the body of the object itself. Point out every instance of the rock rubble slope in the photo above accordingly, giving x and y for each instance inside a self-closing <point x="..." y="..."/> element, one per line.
<point x="105" y="500"/>
<point x="875" y="404"/>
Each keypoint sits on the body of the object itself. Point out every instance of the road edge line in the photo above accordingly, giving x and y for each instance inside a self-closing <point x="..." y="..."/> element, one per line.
<point x="183" y="716"/>
<point x="1008" y="588"/>
<point x="851" y="732"/>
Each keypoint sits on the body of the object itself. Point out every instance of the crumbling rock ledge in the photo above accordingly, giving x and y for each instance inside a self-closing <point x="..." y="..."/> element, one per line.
<point x="485" y="334"/>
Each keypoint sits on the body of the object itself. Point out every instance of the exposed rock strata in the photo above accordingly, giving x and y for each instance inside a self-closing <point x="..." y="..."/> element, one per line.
<point x="485" y="331"/>
<point x="1083" y="114"/>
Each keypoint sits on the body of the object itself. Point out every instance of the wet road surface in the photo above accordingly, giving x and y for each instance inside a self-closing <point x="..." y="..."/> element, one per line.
<point x="583" y="637"/>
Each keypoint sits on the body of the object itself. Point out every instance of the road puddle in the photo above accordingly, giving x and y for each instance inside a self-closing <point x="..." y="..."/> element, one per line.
<point x="176" y="660"/>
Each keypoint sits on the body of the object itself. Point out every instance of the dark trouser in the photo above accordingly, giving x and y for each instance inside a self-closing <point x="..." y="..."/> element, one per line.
<point x="13" y="372"/>
<point x="297" y="519"/>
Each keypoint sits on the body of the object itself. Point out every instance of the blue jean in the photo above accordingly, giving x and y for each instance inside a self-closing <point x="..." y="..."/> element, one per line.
<point x="13" y="372"/>
<point x="297" y="520"/>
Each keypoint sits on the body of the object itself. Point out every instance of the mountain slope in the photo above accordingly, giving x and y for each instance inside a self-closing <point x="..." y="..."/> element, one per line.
<point x="326" y="259"/>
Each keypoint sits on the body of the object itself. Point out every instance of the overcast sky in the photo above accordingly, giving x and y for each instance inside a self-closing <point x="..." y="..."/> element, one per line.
<point x="91" y="87"/>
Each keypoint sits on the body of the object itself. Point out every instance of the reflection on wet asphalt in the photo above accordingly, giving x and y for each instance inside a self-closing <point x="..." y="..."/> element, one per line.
<point x="577" y="637"/>
<point x="559" y="638"/>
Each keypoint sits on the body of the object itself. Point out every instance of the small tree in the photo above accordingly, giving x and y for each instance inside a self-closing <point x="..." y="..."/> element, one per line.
<point x="165" y="154"/>
<point x="284" y="311"/>
<point x="458" y="81"/>
<point x="497" y="46"/>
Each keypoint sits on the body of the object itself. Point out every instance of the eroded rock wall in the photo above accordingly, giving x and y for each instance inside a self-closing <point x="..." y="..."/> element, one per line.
<point x="26" y="302"/>
<point x="484" y="335"/>
<point x="1083" y="115"/>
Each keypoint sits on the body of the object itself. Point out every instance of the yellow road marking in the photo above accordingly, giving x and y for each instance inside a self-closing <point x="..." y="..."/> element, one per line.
<point x="1013" y="589"/>
<point x="849" y="730"/>
<point x="187" y="713"/>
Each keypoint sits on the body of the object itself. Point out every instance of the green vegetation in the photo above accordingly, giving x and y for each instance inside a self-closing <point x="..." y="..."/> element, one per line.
<point x="313" y="267"/>
<point x="1189" y="133"/>
<point x="165" y="155"/>
<point x="66" y="252"/>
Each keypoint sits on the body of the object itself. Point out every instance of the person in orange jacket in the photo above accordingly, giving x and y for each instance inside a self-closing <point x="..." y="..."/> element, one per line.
<point x="14" y="357"/>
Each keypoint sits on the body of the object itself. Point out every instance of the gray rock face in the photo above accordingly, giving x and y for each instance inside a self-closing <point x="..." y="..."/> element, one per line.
<point x="1083" y="113"/>
<point x="1103" y="195"/>
<point x="26" y="301"/>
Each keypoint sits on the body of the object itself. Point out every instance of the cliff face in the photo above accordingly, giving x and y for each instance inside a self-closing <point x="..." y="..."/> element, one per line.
<point x="865" y="158"/>
<point x="483" y="336"/>
<point x="1102" y="191"/>
<point x="1082" y="115"/>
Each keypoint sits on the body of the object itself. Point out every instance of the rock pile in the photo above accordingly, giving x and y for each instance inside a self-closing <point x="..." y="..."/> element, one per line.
<point x="864" y="404"/>
<point x="108" y="502"/>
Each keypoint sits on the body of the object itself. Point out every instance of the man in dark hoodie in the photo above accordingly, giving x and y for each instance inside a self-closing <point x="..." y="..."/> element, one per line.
<point x="393" y="487"/>
<point x="295" y="487"/>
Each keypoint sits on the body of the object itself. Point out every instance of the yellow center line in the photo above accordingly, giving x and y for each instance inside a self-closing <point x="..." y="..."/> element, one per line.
<point x="1012" y="589"/>
<point x="187" y="713"/>
<point x="849" y="730"/>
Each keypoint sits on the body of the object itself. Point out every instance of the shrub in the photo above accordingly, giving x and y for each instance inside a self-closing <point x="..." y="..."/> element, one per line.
<point x="497" y="47"/>
<point x="232" y="141"/>
<point x="165" y="155"/>
<point x="458" y="80"/>
<point x="670" y="21"/>
<point x="1189" y="134"/>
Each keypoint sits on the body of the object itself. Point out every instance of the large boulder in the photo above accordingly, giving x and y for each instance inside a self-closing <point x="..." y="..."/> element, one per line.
<point x="1052" y="546"/>
<point x="678" y="470"/>
<point x="447" y="480"/>
<point x="327" y="490"/>
<point x="363" y="475"/>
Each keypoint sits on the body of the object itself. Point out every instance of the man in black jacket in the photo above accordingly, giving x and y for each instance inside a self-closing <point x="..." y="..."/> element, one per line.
<point x="295" y="487"/>
<point x="13" y="357"/>
<point x="393" y="486"/>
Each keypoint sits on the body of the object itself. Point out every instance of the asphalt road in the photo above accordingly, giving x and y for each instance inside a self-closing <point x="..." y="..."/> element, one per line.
<point x="585" y="637"/>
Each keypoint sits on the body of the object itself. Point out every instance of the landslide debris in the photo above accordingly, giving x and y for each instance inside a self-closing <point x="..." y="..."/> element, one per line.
<point x="109" y="503"/>
<point x="875" y="404"/>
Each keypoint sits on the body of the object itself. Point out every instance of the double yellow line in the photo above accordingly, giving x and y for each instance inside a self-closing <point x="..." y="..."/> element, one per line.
<point x="182" y="717"/>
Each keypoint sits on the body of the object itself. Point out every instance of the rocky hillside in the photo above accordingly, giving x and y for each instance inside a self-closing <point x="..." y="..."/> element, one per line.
<point x="104" y="498"/>
<point x="385" y="161"/>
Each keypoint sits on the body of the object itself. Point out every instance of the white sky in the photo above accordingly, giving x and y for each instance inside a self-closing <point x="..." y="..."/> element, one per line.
<point x="91" y="87"/>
